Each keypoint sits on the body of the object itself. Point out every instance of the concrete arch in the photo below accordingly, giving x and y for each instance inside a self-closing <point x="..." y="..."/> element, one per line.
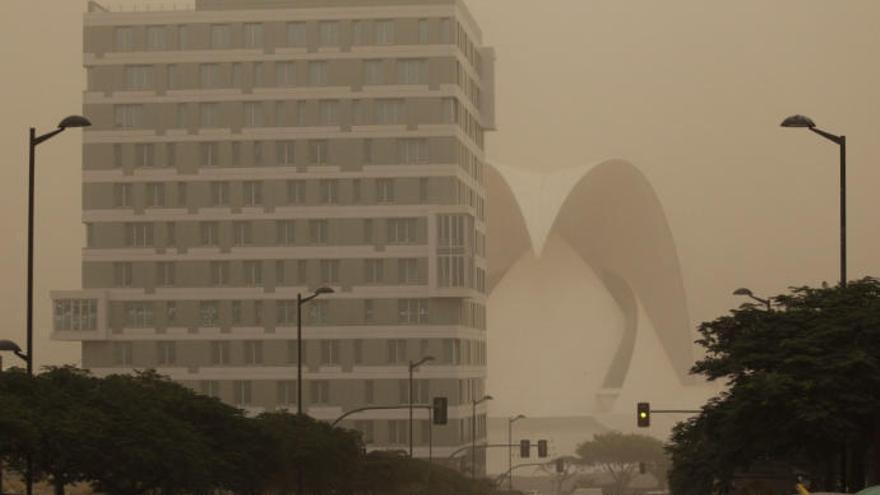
<point x="611" y="216"/>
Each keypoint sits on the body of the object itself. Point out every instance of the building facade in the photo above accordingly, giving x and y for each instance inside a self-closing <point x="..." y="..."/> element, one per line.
<point x="245" y="151"/>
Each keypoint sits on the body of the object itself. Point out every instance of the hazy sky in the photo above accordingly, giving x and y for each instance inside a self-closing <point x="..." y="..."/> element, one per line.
<point x="691" y="91"/>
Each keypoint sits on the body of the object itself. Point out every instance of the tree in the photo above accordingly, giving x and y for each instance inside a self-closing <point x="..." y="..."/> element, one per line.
<point x="804" y="382"/>
<point x="570" y="470"/>
<point x="619" y="455"/>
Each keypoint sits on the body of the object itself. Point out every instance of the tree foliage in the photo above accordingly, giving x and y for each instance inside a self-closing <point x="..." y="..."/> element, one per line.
<point x="804" y="379"/>
<point x="619" y="455"/>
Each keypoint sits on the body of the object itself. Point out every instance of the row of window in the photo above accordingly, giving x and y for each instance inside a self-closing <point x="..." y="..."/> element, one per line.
<point x="253" y="35"/>
<point x="258" y="313"/>
<point x="328" y="352"/>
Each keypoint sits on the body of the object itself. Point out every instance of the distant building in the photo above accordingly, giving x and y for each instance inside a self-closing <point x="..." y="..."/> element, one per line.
<point x="249" y="150"/>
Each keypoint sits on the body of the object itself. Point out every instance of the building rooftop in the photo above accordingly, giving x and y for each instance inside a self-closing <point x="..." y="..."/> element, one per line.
<point x="270" y="4"/>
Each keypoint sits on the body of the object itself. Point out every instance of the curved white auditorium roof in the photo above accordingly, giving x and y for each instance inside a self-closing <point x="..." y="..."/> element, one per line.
<point x="611" y="216"/>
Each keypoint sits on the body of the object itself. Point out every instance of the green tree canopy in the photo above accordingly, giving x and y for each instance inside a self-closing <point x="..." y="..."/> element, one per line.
<point x="619" y="455"/>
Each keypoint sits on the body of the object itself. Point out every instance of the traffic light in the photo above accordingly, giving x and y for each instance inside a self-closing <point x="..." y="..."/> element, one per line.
<point x="524" y="447"/>
<point x="542" y="448"/>
<point x="643" y="414"/>
<point x="560" y="465"/>
<point x="440" y="410"/>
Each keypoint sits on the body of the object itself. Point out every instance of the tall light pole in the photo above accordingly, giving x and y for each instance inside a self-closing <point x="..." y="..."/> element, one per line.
<point x="475" y="403"/>
<point x="33" y="142"/>
<point x="300" y="300"/>
<point x="742" y="291"/>
<point x="510" y="422"/>
<point x="802" y="121"/>
<point x="412" y="367"/>
<point x="8" y="345"/>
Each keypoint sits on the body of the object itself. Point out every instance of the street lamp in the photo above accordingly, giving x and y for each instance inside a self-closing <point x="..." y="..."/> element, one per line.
<point x="33" y="141"/>
<point x="474" y="434"/>
<point x="300" y="300"/>
<point x="510" y="422"/>
<point x="10" y="346"/>
<point x="412" y="367"/>
<point x="742" y="291"/>
<point x="802" y="121"/>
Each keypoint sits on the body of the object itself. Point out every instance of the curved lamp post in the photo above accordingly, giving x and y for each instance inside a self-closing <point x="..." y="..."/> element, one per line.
<point x="72" y="121"/>
<point x="742" y="291"/>
<point x="10" y="346"/>
<point x="510" y="422"/>
<point x="412" y="367"/>
<point x="801" y="121"/>
<point x="300" y="300"/>
<point x="475" y="403"/>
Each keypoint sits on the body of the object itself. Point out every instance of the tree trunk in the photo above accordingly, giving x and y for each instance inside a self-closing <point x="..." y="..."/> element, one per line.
<point x="875" y="454"/>
<point x="58" y="487"/>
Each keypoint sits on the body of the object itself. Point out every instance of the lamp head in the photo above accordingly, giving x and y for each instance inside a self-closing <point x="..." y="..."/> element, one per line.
<point x="742" y="291"/>
<point x="324" y="290"/>
<point x="74" y="121"/>
<point x="8" y="345"/>
<point x="798" y="121"/>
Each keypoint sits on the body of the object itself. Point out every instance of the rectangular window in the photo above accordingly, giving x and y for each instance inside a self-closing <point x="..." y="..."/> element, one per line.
<point x="423" y="190"/>
<point x="423" y="32"/>
<point x="209" y="76"/>
<point x="329" y="33"/>
<point x="170" y="313"/>
<point x="330" y="352"/>
<point x="117" y="156"/>
<point x="122" y="195"/>
<point x="242" y="393"/>
<point x="242" y="234"/>
<point x="144" y="155"/>
<point x="368" y="151"/>
<point x="412" y="311"/>
<point x="253" y="35"/>
<point x="369" y="391"/>
<point x="285" y="73"/>
<point x="384" y="32"/>
<point x="258" y="312"/>
<point x="220" y="36"/>
<point x="209" y="115"/>
<point x="253" y="352"/>
<point x="358" y="33"/>
<point x="170" y="234"/>
<point x="356" y="191"/>
<point x="390" y="111"/>
<point x="208" y="313"/>
<point x="237" y="80"/>
<point x="124" y="39"/>
<point x="280" y="273"/>
<point x="300" y="113"/>
<point x="395" y="351"/>
<point x="374" y="271"/>
<point x="296" y="191"/>
<point x="329" y="191"/>
<point x="128" y="116"/>
<point x="408" y="271"/>
<point x="318" y="152"/>
<point x="287" y="153"/>
<point x="451" y="271"/>
<point x="138" y="77"/>
<point x="413" y="151"/>
<point x="287" y="392"/>
<point x="318" y="73"/>
<point x="287" y="313"/>
<point x="209" y="154"/>
<point x="156" y="38"/>
<point x="181" y="116"/>
<point x="368" y="231"/>
<point x="412" y="71"/>
<point x="318" y="313"/>
<point x="122" y="353"/>
<point x="446" y="30"/>
<point x="320" y="392"/>
<point x="258" y="153"/>
<point x="219" y="194"/>
<point x="369" y="311"/>
<point x="210" y="388"/>
<point x="139" y="315"/>
<point x="236" y="154"/>
<point x="384" y="190"/>
<point x="235" y="311"/>
<point x="210" y="235"/>
<point x="330" y="271"/>
<point x="280" y="114"/>
<point x="182" y="38"/>
<point x="328" y="112"/>
<point x="374" y="72"/>
<point x="155" y="195"/>
<point x="253" y="114"/>
<point x="165" y="274"/>
<point x="171" y="155"/>
<point x="302" y="272"/>
<point x="166" y="353"/>
<point x="219" y="273"/>
<point x="252" y="193"/>
<point x="296" y="34"/>
<point x="257" y="74"/>
<point x="253" y="273"/>
<point x="220" y="353"/>
<point x="401" y="230"/>
<point x="286" y="230"/>
<point x="138" y="234"/>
